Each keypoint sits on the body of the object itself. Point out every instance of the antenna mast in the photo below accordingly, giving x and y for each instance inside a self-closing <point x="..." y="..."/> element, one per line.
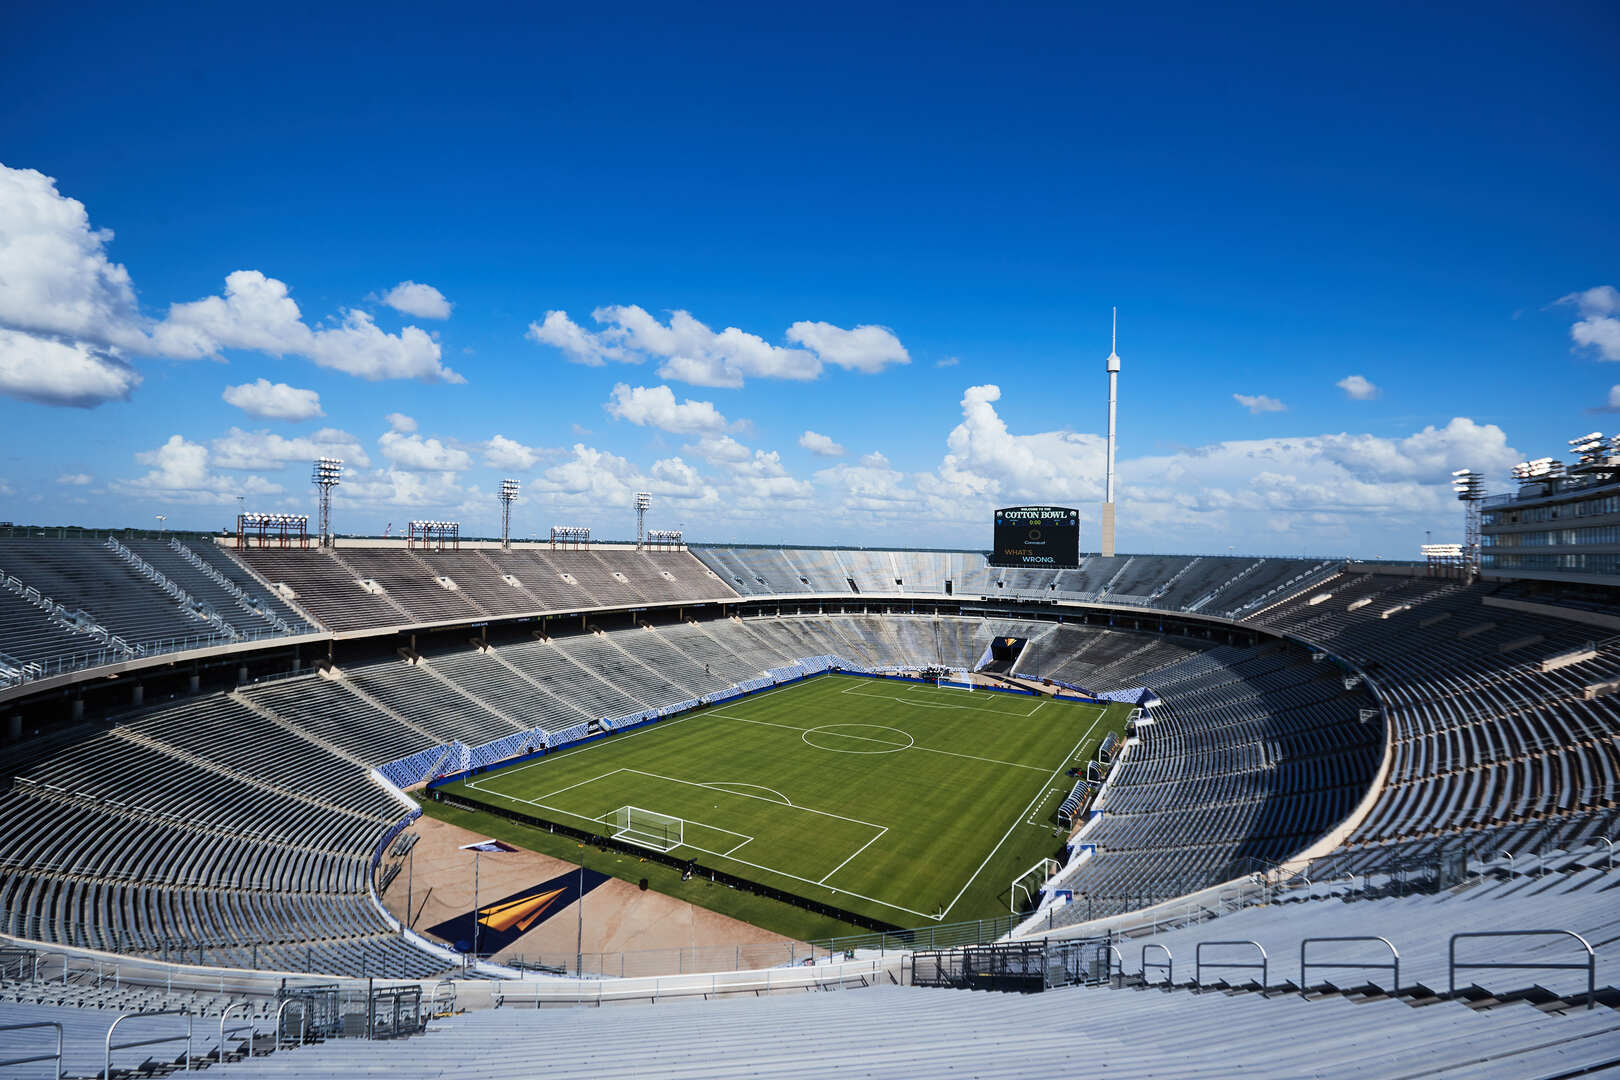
<point x="1112" y="366"/>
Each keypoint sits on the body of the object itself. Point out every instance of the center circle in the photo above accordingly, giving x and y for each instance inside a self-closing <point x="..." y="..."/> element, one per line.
<point x="858" y="738"/>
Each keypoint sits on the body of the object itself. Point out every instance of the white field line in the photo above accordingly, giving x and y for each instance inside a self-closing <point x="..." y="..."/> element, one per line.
<point x="858" y="850"/>
<point x="885" y="742"/>
<point x="855" y="691"/>
<point x="1019" y="819"/>
<point x="1031" y="819"/>
<point x="724" y="784"/>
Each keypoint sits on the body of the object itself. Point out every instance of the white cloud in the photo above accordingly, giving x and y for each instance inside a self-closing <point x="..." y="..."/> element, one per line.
<point x="181" y="472"/>
<point x="259" y="314"/>
<point x="1358" y="388"/>
<point x="423" y="301"/>
<point x="580" y="345"/>
<point x="49" y="372"/>
<point x="949" y="361"/>
<point x="984" y="458"/>
<point x="55" y="277"/>
<point x="1614" y="402"/>
<point x="720" y="449"/>
<point x="75" y="479"/>
<point x="398" y="421"/>
<point x="820" y="444"/>
<point x="655" y="406"/>
<point x="866" y="349"/>
<point x="503" y="453"/>
<point x="274" y="401"/>
<point x="240" y="450"/>
<point x="693" y="353"/>
<point x="1599" y="326"/>
<point x="416" y="454"/>
<point x="1259" y="403"/>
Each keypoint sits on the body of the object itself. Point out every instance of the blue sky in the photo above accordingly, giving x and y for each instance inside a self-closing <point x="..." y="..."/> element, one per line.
<point x="916" y="225"/>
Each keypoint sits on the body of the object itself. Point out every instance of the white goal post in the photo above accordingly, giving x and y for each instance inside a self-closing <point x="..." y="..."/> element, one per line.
<point x="648" y="828"/>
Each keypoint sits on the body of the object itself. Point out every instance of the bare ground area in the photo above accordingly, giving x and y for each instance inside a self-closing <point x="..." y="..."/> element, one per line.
<point x="619" y="917"/>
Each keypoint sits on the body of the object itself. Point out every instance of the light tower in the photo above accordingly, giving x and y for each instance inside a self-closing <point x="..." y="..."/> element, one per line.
<point x="509" y="493"/>
<point x="1112" y="365"/>
<point x="326" y="474"/>
<point x="1470" y="488"/>
<point x="643" y="504"/>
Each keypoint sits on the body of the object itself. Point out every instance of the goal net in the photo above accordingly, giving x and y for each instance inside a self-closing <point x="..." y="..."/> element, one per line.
<point x="648" y="829"/>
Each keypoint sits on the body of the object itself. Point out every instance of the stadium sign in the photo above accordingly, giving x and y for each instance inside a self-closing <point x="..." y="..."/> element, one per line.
<point x="1037" y="536"/>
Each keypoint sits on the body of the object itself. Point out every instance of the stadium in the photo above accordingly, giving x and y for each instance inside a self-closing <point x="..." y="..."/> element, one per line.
<point x="585" y="541"/>
<point x="1293" y="795"/>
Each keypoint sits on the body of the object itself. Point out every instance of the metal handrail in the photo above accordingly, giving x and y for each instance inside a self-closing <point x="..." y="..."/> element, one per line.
<point x="1610" y="843"/>
<point x="149" y="1042"/>
<point x="57" y="1057"/>
<point x="1590" y="967"/>
<point x="303" y="1020"/>
<point x="1115" y="959"/>
<point x="1199" y="963"/>
<point x="1168" y="964"/>
<point x="433" y="1004"/>
<point x="248" y="1026"/>
<point x="1394" y="964"/>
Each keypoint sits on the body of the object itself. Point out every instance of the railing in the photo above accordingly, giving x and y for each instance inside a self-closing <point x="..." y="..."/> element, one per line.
<point x="56" y="1057"/>
<point x="248" y="1026"/>
<point x="1590" y="966"/>
<point x="186" y="1038"/>
<point x="1199" y="963"/>
<point x="1168" y="963"/>
<point x="303" y="1020"/>
<point x="1394" y="965"/>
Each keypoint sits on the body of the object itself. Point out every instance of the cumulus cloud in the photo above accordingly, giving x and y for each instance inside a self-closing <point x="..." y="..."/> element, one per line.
<point x="75" y="479"/>
<point x="423" y="301"/>
<point x="50" y="372"/>
<point x="984" y="458"/>
<point x="1358" y="388"/>
<point x="691" y="352"/>
<point x="180" y="471"/>
<point x="866" y="349"/>
<point x="820" y="444"/>
<point x="1614" y="402"/>
<point x="240" y="450"/>
<point x="1599" y="325"/>
<point x="416" y="454"/>
<point x="1259" y="403"/>
<point x="655" y="406"/>
<point x="258" y="313"/>
<point x="503" y="453"/>
<point x="55" y="276"/>
<point x="398" y="421"/>
<point x="274" y="401"/>
<point x="720" y="449"/>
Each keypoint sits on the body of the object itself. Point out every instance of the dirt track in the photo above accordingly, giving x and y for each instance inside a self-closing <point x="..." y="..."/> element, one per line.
<point x="619" y="917"/>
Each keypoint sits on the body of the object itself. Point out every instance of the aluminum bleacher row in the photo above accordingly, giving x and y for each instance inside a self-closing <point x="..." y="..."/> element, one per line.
<point x="357" y="587"/>
<point x="1224" y="585"/>
<point x="78" y="601"/>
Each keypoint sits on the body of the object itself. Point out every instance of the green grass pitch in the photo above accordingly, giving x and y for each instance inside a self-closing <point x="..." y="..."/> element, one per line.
<point x="900" y="801"/>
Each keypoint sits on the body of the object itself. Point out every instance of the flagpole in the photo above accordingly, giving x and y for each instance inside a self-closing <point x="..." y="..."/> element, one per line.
<point x="579" y="907"/>
<point x="476" y="853"/>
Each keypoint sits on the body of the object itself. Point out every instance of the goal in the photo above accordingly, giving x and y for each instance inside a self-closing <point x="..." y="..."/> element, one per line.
<point x="647" y="828"/>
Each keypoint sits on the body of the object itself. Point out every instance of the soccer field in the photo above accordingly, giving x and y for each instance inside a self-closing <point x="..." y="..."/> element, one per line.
<point x="900" y="801"/>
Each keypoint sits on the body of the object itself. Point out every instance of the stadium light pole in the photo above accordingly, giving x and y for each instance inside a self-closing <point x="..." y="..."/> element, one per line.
<point x="1470" y="488"/>
<point x="326" y="473"/>
<point x="1106" y="544"/>
<point x="509" y="493"/>
<point x="643" y="504"/>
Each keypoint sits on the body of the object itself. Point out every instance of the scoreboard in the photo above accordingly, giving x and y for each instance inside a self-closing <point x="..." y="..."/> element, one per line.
<point x="1037" y="536"/>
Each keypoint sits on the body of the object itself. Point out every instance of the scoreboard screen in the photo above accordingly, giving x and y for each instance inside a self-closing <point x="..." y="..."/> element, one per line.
<point x="1037" y="536"/>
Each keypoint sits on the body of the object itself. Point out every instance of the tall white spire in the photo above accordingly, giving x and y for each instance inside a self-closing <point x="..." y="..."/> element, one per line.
<point x="1112" y="366"/>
